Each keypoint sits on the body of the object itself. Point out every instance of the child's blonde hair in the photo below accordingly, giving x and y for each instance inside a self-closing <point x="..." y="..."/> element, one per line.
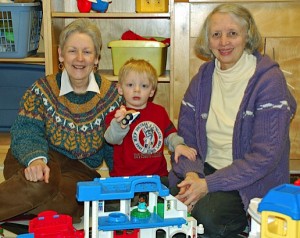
<point x="142" y="68"/>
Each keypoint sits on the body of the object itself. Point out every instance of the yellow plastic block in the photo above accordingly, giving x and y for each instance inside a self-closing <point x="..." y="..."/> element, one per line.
<point x="153" y="51"/>
<point x="152" y="5"/>
<point x="277" y="225"/>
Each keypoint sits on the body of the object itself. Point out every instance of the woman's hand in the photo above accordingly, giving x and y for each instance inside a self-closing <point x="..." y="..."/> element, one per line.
<point x="192" y="189"/>
<point x="38" y="170"/>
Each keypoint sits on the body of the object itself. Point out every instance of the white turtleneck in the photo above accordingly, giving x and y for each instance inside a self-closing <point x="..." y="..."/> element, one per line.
<point x="228" y="87"/>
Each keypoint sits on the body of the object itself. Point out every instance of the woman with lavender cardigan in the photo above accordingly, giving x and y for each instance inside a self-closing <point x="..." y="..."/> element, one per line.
<point x="236" y="112"/>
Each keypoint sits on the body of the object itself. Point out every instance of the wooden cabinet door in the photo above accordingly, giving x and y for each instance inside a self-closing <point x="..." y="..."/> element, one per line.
<point x="286" y="51"/>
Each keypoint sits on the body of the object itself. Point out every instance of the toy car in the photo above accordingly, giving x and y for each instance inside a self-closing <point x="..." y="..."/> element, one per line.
<point x="130" y="117"/>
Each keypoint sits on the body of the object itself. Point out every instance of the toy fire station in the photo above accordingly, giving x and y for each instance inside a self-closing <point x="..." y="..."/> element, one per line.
<point x="171" y="216"/>
<point x="163" y="212"/>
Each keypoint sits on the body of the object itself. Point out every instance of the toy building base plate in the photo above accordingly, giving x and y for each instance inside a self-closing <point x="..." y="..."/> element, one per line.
<point x="140" y="215"/>
<point x="153" y="221"/>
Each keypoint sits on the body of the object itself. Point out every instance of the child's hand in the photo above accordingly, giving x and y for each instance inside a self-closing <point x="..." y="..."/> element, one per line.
<point x="186" y="151"/>
<point x="120" y="115"/>
<point x="124" y="117"/>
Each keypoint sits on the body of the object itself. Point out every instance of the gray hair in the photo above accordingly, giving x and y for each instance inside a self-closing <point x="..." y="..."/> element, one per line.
<point x="253" y="41"/>
<point x="85" y="26"/>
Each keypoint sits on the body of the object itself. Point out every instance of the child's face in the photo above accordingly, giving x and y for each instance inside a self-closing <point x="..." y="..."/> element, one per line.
<point x="136" y="89"/>
<point x="142" y="199"/>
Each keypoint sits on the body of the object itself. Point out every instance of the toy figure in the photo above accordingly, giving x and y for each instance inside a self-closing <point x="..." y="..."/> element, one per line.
<point x="86" y="6"/>
<point x="142" y="205"/>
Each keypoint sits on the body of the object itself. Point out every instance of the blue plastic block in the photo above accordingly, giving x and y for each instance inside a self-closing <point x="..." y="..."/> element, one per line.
<point x="284" y="199"/>
<point x="29" y="235"/>
<point x="115" y="188"/>
<point x="105" y="223"/>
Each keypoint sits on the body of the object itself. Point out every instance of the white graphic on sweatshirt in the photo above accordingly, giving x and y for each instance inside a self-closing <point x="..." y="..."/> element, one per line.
<point x="147" y="137"/>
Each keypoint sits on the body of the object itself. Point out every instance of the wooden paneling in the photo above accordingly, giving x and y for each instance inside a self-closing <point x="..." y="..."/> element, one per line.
<point x="162" y="96"/>
<point x="286" y="51"/>
<point x="273" y="19"/>
<point x="181" y="46"/>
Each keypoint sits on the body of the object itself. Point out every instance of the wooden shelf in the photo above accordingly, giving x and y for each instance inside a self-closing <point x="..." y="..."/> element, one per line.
<point x="234" y="1"/>
<point x="38" y="58"/>
<point x="108" y="74"/>
<point x="109" y="15"/>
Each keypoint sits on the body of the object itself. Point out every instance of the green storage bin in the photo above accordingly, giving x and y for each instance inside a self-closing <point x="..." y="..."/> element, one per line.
<point x="154" y="52"/>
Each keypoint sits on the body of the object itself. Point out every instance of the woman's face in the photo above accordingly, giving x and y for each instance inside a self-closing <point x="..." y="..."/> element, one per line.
<point x="227" y="39"/>
<point x="79" y="57"/>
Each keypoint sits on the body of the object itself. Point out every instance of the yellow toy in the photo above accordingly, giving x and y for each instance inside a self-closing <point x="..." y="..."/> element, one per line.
<point x="280" y="212"/>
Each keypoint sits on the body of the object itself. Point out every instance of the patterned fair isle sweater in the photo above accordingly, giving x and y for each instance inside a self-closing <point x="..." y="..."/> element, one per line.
<point x="71" y="124"/>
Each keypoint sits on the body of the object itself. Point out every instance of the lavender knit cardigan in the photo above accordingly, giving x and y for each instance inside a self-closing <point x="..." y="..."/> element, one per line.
<point x="260" y="145"/>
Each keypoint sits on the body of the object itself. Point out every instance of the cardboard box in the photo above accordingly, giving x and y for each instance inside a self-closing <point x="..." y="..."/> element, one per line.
<point x="152" y="5"/>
